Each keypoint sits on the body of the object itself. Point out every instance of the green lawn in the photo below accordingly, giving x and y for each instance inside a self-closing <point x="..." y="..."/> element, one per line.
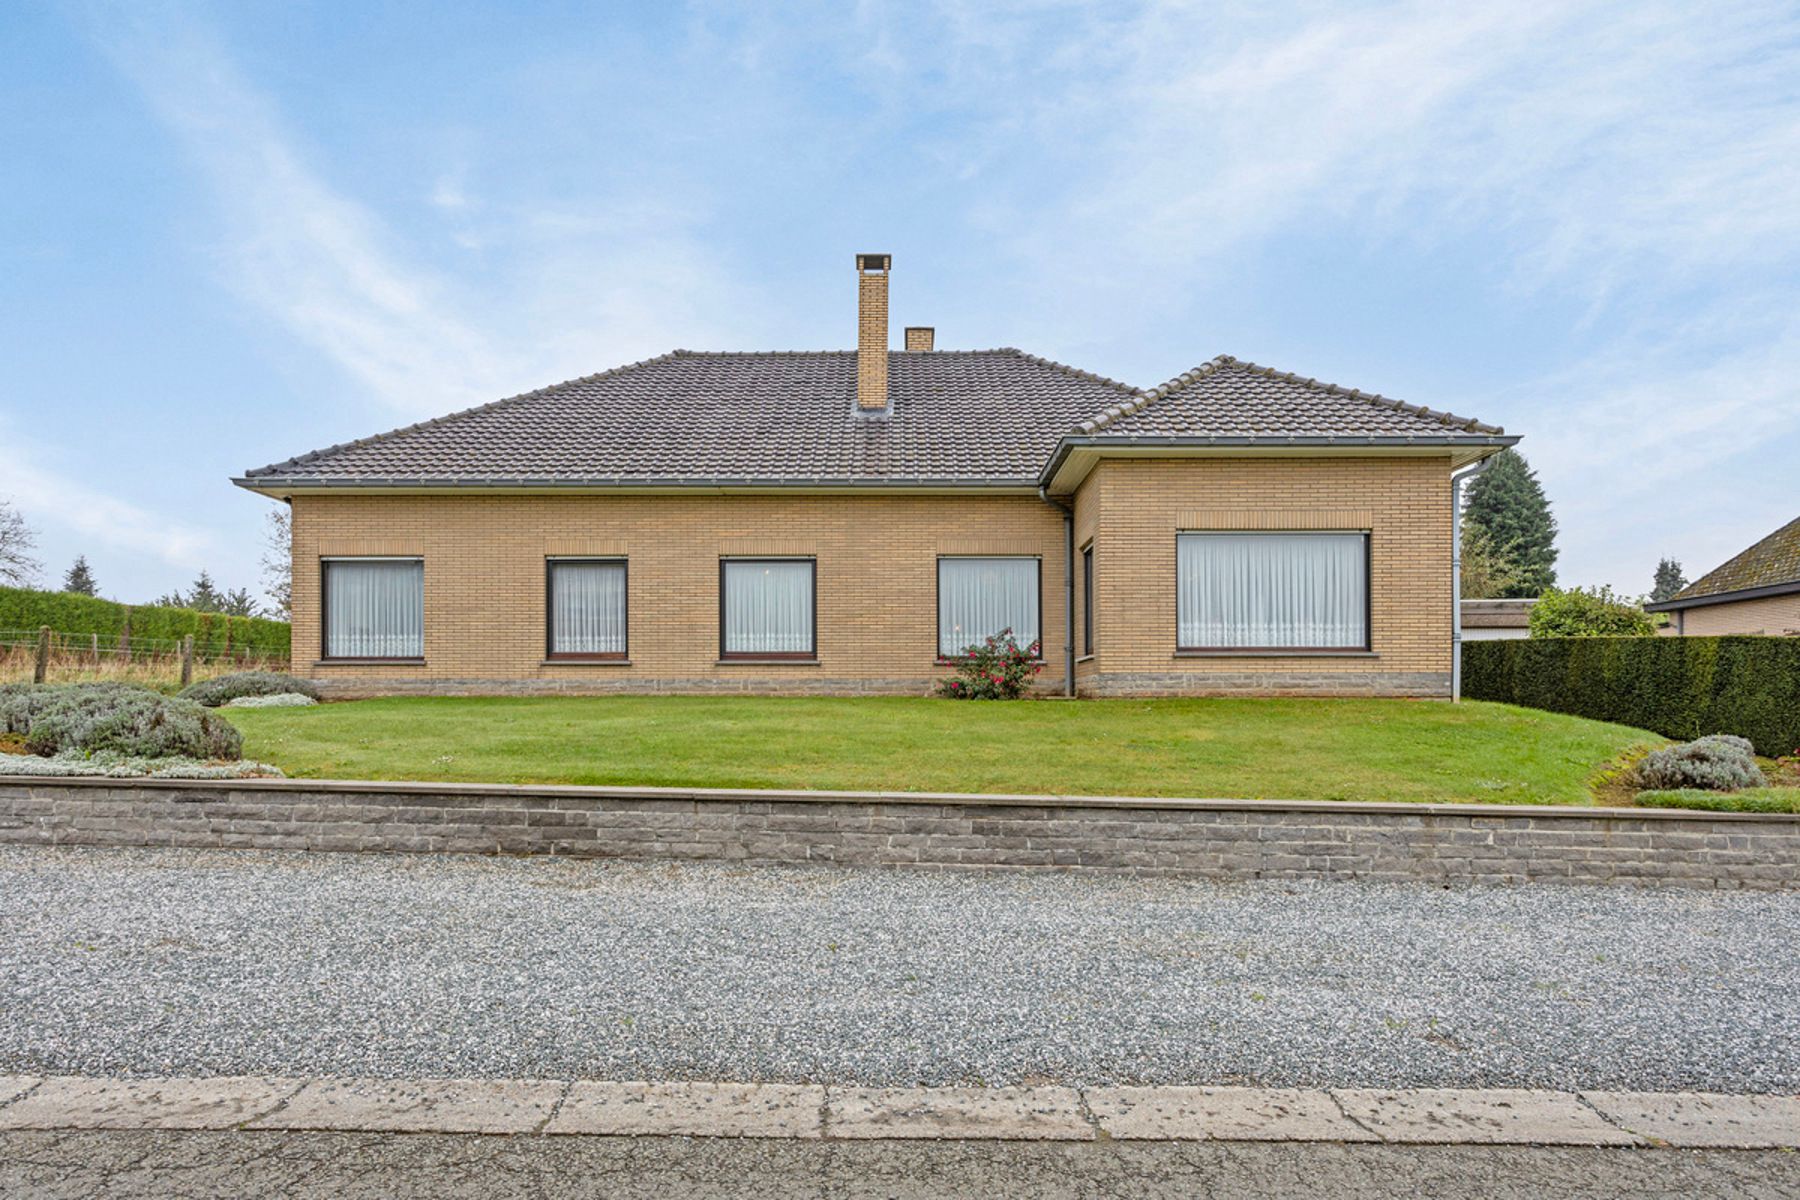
<point x="1278" y="749"/>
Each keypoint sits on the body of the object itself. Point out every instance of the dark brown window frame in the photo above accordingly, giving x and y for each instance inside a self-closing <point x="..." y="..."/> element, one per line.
<point x="551" y="562"/>
<point x="937" y="624"/>
<point x="325" y="561"/>
<point x="1368" y="642"/>
<point x="1087" y="600"/>
<point x="801" y="656"/>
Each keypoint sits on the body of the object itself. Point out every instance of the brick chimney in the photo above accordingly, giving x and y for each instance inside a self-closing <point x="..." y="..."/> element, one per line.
<point x="919" y="337"/>
<point x="872" y="331"/>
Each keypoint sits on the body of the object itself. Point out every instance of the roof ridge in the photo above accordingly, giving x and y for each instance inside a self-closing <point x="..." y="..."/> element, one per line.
<point x="1147" y="396"/>
<point x="310" y="455"/>
<point x="1445" y="418"/>
<point x="1064" y="368"/>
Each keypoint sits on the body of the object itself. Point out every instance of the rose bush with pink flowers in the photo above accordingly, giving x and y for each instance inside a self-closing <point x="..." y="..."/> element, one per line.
<point x="996" y="668"/>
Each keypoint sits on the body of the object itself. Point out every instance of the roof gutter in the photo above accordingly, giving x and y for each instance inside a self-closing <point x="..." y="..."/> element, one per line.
<point x="1676" y="604"/>
<point x="261" y="483"/>
<point x="1068" y="516"/>
<point x="1275" y="441"/>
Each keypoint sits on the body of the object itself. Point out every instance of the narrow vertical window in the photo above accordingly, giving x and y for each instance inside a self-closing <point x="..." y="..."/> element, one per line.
<point x="587" y="608"/>
<point x="1272" y="591"/>
<point x="374" y="608"/>
<point x="978" y="598"/>
<point x="766" y="608"/>
<point x="1087" y="599"/>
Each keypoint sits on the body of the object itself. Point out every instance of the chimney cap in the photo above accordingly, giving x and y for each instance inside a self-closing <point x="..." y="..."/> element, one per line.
<point x="874" y="262"/>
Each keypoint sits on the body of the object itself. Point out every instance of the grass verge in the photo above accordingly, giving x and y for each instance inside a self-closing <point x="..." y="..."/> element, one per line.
<point x="1757" y="800"/>
<point x="1239" y="748"/>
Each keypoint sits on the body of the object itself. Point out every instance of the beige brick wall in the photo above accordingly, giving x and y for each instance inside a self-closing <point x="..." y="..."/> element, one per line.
<point x="877" y="577"/>
<point x="485" y="591"/>
<point x="1133" y="509"/>
<point x="1774" y="615"/>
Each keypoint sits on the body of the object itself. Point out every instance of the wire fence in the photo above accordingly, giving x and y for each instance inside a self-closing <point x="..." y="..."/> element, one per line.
<point x="91" y="657"/>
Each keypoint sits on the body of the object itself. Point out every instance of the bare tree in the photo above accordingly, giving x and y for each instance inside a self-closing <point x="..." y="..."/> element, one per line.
<point x="17" y="565"/>
<point x="278" y="561"/>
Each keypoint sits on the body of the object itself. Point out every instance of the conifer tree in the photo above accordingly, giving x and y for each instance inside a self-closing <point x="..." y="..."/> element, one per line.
<point x="1508" y="505"/>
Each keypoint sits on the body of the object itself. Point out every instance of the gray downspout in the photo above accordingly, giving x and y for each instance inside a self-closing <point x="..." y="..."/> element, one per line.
<point x="1068" y="516"/>
<point x="1457" y="479"/>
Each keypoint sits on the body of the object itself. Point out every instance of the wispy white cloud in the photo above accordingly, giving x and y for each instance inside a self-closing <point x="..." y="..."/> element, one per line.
<point x="61" y="499"/>
<point x="611" y="279"/>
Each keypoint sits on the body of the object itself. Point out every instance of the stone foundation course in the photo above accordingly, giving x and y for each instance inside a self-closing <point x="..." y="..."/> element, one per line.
<point x="1215" y="839"/>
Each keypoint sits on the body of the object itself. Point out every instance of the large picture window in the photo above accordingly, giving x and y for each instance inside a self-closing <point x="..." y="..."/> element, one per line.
<point x="374" y="608"/>
<point x="587" y="608"/>
<point x="979" y="597"/>
<point x="1272" y="591"/>
<point x="766" y="608"/>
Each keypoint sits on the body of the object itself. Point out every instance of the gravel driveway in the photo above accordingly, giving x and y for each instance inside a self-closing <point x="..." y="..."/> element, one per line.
<point x="147" y="962"/>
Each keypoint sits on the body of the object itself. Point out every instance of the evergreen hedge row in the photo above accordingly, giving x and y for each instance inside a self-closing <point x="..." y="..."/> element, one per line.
<point x="1680" y="687"/>
<point x="82" y="616"/>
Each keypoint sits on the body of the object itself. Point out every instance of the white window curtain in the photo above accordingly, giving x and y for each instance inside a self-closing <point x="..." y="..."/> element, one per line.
<point x="768" y="607"/>
<point x="375" y="608"/>
<point x="979" y="597"/>
<point x="1259" y="590"/>
<point x="587" y="608"/>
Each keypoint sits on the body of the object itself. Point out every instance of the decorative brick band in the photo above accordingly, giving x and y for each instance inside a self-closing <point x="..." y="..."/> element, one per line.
<point x="1215" y="839"/>
<point x="1287" y="681"/>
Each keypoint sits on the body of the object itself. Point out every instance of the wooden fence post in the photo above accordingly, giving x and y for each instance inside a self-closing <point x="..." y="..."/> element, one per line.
<point x="94" y="651"/>
<point x="187" y="660"/>
<point x="125" y="638"/>
<point x="42" y="669"/>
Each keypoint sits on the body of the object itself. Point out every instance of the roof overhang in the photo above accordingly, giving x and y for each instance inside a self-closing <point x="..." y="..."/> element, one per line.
<point x="1076" y="456"/>
<point x="1756" y="593"/>
<point x="285" y="488"/>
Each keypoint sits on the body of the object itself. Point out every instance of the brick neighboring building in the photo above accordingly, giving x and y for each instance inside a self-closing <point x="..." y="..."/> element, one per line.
<point x="843" y="521"/>
<point x="1756" y="592"/>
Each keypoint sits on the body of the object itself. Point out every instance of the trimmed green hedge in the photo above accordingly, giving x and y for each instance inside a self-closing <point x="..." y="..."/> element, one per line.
<point x="1681" y="687"/>
<point x="70" y="613"/>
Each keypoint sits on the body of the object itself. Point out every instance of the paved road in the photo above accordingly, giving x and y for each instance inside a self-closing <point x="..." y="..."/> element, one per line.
<point x="300" y="1166"/>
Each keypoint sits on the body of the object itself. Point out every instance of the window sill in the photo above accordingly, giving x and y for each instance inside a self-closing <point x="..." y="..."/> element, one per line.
<point x="368" y="662"/>
<point x="1084" y="658"/>
<point x="577" y="661"/>
<point x="765" y="662"/>
<point x="1276" y="652"/>
<point x="951" y="662"/>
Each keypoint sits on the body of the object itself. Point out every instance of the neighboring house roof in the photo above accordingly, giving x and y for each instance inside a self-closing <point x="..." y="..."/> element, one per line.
<point x="1769" y="568"/>
<point x="957" y="418"/>
<point x="1497" y="614"/>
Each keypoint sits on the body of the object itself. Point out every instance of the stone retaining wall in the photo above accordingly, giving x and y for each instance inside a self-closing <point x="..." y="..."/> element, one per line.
<point x="1217" y="839"/>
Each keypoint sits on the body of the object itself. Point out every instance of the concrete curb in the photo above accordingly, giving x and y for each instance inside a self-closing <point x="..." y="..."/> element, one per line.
<point x="1430" y="1116"/>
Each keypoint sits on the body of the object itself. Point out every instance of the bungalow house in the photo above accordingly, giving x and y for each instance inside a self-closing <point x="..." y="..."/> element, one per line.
<point x="1756" y="592"/>
<point x="849" y="521"/>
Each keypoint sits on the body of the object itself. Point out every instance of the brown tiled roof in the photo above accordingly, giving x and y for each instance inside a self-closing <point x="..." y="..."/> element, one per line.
<point x="1772" y="562"/>
<point x="1226" y="397"/>
<point x="954" y="416"/>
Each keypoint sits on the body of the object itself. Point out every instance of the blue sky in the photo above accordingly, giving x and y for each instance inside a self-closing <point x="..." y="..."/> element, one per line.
<point x="230" y="233"/>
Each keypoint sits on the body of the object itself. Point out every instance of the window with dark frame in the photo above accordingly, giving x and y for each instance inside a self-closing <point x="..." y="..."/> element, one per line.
<point x="768" y="608"/>
<point x="1087" y="599"/>
<point x="586" y="609"/>
<point x="1273" y="592"/>
<point x="372" y="608"/>
<point x="979" y="596"/>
